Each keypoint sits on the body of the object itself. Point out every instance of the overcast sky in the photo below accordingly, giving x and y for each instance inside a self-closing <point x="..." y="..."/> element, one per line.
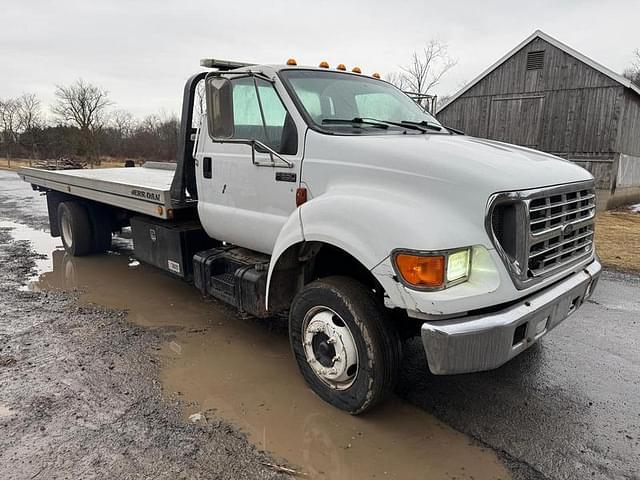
<point x="142" y="51"/>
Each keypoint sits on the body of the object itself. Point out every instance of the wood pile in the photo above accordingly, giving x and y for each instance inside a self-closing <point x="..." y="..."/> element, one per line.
<point x="62" y="163"/>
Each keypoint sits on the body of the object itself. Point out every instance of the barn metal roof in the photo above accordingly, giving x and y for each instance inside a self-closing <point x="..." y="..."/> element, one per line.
<point x="556" y="43"/>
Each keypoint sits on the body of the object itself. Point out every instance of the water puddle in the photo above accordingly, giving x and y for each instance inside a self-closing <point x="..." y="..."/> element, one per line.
<point x="5" y="411"/>
<point x="244" y="372"/>
<point x="41" y="242"/>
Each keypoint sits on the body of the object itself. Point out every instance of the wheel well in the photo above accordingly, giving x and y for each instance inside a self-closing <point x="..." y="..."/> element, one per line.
<point x="305" y="262"/>
<point x="115" y="217"/>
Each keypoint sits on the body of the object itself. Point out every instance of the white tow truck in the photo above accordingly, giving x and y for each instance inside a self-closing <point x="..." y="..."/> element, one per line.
<point x="333" y="197"/>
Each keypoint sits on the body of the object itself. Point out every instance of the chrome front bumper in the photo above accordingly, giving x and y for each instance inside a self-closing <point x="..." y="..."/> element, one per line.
<point x="484" y="342"/>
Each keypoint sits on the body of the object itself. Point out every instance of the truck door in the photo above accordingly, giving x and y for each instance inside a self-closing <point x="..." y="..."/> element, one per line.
<point x="246" y="195"/>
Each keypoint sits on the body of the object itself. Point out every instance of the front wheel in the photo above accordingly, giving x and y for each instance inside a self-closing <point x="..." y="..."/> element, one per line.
<point x="346" y="349"/>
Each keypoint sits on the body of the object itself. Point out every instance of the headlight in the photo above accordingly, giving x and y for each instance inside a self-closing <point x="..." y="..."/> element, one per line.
<point x="458" y="265"/>
<point x="432" y="270"/>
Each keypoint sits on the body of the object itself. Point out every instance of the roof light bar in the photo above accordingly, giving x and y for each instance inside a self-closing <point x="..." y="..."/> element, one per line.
<point x="223" y="65"/>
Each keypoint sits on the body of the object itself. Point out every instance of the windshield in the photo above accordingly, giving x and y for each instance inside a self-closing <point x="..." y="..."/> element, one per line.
<point x="338" y="101"/>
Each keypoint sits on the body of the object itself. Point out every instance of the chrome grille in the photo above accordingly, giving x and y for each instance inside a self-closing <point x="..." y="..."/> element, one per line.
<point x="561" y="229"/>
<point x="540" y="232"/>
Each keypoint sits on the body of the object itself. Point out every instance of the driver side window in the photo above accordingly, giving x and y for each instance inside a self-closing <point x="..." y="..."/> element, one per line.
<point x="258" y="113"/>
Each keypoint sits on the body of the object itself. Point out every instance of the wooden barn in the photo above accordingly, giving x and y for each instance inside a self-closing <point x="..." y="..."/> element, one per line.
<point x="547" y="96"/>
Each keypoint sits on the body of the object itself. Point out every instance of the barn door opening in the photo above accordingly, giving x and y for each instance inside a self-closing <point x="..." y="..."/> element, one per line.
<point x="516" y="120"/>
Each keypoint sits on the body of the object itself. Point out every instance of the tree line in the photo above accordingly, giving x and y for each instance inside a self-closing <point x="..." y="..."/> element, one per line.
<point x="83" y="123"/>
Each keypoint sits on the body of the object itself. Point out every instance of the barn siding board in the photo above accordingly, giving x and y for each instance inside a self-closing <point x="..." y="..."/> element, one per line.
<point x="561" y="71"/>
<point x="629" y="138"/>
<point x="586" y="113"/>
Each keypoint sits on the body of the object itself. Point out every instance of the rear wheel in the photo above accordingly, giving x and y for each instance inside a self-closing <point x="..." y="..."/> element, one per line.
<point x="75" y="228"/>
<point x="346" y="349"/>
<point x="101" y="234"/>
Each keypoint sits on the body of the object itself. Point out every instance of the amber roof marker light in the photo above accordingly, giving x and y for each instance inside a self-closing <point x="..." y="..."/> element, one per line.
<point x="376" y="75"/>
<point x="341" y="67"/>
<point x="292" y="61"/>
<point x="324" y="64"/>
<point x="356" y="70"/>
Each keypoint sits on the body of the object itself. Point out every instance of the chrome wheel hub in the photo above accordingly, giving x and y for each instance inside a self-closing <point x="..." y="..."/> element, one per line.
<point x="330" y="348"/>
<point x="67" y="231"/>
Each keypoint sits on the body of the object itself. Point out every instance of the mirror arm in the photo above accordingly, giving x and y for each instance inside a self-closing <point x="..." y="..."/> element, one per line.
<point x="253" y="144"/>
<point x="271" y="151"/>
<point x="221" y="73"/>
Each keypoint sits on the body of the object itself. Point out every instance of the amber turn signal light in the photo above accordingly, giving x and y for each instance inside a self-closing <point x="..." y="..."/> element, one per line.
<point x="301" y="196"/>
<point x="421" y="271"/>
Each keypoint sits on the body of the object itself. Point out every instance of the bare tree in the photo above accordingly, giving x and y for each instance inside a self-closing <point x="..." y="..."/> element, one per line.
<point x="85" y="106"/>
<point x="122" y="121"/>
<point x="425" y="70"/>
<point x="9" y="124"/>
<point x="398" y="79"/>
<point x="29" y="114"/>
<point x="633" y="72"/>
<point x="29" y="119"/>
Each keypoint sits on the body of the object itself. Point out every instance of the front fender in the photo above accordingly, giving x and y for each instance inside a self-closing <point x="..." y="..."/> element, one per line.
<point x="370" y="223"/>
<point x="291" y="234"/>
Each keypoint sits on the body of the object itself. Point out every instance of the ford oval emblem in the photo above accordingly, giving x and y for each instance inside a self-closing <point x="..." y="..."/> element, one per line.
<point x="567" y="229"/>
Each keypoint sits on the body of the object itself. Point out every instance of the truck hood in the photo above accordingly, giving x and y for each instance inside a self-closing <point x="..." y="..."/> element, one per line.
<point x="486" y="165"/>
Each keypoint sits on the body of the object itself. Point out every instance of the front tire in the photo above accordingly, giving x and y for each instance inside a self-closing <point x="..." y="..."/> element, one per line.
<point x="346" y="349"/>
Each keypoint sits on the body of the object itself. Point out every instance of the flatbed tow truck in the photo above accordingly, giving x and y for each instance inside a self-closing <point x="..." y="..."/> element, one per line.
<point x="332" y="197"/>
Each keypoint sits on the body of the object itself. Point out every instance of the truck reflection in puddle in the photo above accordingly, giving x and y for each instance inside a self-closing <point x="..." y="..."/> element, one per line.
<point x="243" y="371"/>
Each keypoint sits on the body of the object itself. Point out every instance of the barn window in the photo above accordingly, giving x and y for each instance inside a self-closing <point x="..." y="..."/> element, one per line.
<point x="535" y="60"/>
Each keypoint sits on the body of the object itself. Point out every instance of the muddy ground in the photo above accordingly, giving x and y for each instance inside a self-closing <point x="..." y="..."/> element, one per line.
<point x="567" y="408"/>
<point x="80" y="396"/>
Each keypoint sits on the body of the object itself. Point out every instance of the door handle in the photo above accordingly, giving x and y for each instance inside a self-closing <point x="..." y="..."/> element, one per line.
<point x="206" y="167"/>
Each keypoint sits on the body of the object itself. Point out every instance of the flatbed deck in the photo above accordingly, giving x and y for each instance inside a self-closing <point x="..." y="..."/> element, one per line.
<point x="143" y="189"/>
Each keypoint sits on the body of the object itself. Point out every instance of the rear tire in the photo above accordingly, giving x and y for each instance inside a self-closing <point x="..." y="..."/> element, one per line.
<point x="75" y="228"/>
<point x="101" y="234"/>
<point x="347" y="350"/>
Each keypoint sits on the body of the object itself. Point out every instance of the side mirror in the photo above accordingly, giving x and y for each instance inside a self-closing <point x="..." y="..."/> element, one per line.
<point x="219" y="93"/>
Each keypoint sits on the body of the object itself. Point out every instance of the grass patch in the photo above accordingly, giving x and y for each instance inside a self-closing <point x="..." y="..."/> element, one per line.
<point x="618" y="240"/>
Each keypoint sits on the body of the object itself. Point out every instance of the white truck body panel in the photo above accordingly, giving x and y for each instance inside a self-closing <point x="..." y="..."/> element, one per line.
<point x="243" y="203"/>
<point x="373" y="194"/>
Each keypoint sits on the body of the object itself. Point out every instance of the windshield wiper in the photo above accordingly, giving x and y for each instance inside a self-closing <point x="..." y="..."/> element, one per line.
<point x="424" y="124"/>
<point x="399" y="124"/>
<point x="357" y="121"/>
<point x="376" y="122"/>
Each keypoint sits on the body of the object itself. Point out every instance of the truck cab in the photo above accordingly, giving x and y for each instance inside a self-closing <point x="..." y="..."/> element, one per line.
<point x="333" y="197"/>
